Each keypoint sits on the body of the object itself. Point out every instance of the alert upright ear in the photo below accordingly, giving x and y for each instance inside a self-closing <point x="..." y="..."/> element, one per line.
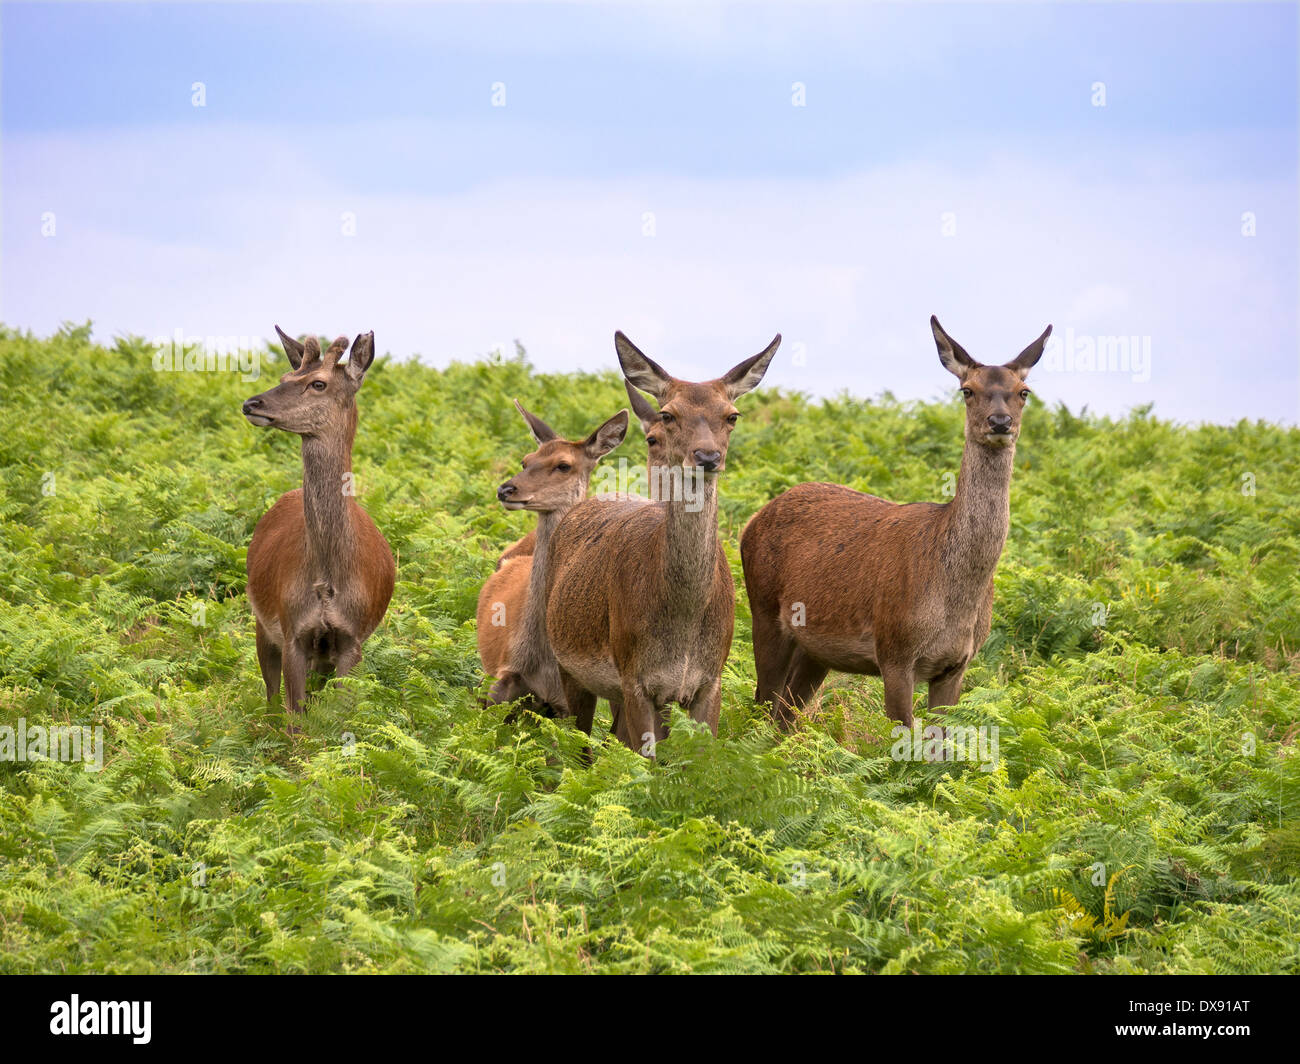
<point x="361" y="356"/>
<point x="953" y="356"/>
<point x="608" y="436"/>
<point x="744" y="377"/>
<point x="644" y="372"/>
<point x="1028" y="358"/>
<point x="292" y="348"/>
<point x="542" y="432"/>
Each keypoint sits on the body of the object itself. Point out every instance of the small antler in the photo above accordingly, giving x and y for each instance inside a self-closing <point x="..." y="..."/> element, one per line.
<point x="336" y="351"/>
<point x="310" y="352"/>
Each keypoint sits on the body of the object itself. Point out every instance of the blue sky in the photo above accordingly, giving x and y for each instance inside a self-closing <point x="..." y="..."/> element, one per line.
<point x="649" y="172"/>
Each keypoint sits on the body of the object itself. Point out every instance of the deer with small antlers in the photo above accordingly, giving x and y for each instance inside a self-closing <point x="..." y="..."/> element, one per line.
<point x="320" y="574"/>
<point x="512" y="642"/>
<point x="640" y="603"/>
<point x="841" y="580"/>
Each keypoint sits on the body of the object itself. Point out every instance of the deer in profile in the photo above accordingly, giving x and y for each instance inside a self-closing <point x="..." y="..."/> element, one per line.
<point x="841" y="580"/>
<point x="512" y="641"/>
<point x="648" y="417"/>
<point x="640" y="603"/>
<point x="320" y="574"/>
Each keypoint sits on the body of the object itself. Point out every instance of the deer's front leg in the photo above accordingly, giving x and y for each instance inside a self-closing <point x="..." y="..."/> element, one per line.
<point x="900" y="682"/>
<point x="642" y="723"/>
<point x="706" y="706"/>
<point x="946" y="689"/>
<point x="295" y="675"/>
<point x="347" y="659"/>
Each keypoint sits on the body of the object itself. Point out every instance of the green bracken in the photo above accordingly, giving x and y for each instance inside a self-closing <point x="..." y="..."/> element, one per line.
<point x="1143" y="814"/>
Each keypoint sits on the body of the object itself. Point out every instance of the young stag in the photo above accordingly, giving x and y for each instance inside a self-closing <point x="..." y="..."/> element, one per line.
<point x="512" y="640"/>
<point x="639" y="598"/>
<point x="320" y="573"/>
<point x="842" y="580"/>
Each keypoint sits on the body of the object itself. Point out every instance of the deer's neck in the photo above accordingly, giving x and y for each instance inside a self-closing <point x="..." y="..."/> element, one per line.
<point x="979" y="515"/>
<point x="531" y="643"/>
<point x="691" y="539"/>
<point x="326" y="500"/>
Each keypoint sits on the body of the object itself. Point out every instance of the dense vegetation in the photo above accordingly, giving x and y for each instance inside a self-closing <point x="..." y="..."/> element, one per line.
<point x="1142" y="671"/>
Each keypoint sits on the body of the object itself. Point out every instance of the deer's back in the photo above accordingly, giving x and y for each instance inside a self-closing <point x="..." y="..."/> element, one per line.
<point x="501" y="606"/>
<point x="844" y="569"/>
<point x="521" y="548"/>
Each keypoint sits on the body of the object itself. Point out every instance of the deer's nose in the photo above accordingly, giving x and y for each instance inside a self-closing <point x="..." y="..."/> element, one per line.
<point x="505" y="491"/>
<point x="1000" y="423"/>
<point x="708" y="460"/>
<point x="251" y="404"/>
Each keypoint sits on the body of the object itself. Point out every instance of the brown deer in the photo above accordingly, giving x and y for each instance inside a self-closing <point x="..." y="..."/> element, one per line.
<point x="512" y="640"/>
<point x="842" y="580"/>
<point x="657" y="476"/>
<point x="639" y="598"/>
<point x="320" y="573"/>
<point x="649" y="418"/>
<point x="520" y="548"/>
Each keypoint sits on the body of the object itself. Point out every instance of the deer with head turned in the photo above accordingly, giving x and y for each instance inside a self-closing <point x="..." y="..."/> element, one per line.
<point x="841" y="580"/>
<point x="649" y="418"/>
<point x="320" y="574"/>
<point x="640" y="603"/>
<point x="512" y="640"/>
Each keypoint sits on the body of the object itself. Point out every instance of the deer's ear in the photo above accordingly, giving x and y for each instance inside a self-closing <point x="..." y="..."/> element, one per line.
<point x="360" y="357"/>
<point x="1028" y="358"/>
<point x="542" y="432"/>
<point x="608" y="436"/>
<point x="645" y="373"/>
<point x="953" y="356"/>
<point x="292" y="348"/>
<point x="645" y="413"/>
<point x="744" y="377"/>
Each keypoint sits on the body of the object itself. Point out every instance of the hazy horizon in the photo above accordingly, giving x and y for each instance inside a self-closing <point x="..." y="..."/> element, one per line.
<point x="457" y="177"/>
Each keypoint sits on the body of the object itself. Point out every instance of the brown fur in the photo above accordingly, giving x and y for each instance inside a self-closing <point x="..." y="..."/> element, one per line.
<point x="639" y="597"/>
<point x="520" y="548"/>
<point x="904" y="592"/>
<point x="554" y="479"/>
<point x="320" y="574"/>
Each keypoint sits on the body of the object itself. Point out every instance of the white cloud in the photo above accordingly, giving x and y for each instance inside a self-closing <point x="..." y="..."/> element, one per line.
<point x="227" y="233"/>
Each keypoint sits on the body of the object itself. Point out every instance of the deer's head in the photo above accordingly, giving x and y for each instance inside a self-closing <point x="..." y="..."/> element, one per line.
<point x="319" y="397"/>
<point x="995" y="395"/>
<point x="694" y="421"/>
<point x="555" y="476"/>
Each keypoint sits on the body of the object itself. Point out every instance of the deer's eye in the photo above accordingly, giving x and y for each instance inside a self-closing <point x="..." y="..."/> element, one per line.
<point x="562" y="467"/>
<point x="732" y="418"/>
<point x="1024" y="394"/>
<point x="967" y="392"/>
<point x="667" y="418"/>
<point x="318" y="385"/>
<point x="651" y="440"/>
